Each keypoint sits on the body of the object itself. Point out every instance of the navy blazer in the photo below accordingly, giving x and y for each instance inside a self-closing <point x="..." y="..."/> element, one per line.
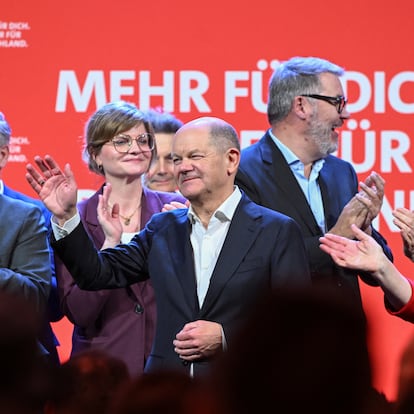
<point x="53" y="313"/>
<point x="267" y="179"/>
<point x="24" y="254"/>
<point x="262" y="250"/>
<point x="118" y="321"/>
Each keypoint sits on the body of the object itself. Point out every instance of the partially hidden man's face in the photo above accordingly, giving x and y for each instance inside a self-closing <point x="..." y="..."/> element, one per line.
<point x="160" y="176"/>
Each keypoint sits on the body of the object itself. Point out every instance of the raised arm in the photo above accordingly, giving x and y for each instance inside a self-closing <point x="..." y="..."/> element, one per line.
<point x="56" y="188"/>
<point x="367" y="255"/>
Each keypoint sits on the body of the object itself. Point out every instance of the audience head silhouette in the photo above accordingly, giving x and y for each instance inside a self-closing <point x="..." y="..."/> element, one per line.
<point x="24" y="372"/>
<point x="86" y="383"/>
<point x="164" y="391"/>
<point x="302" y="350"/>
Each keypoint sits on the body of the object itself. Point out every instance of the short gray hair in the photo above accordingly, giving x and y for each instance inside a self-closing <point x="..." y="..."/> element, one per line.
<point x="296" y="76"/>
<point x="224" y="136"/>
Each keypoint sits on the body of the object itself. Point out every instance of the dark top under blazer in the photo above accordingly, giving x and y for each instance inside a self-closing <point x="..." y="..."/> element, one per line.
<point x="267" y="179"/>
<point x="263" y="250"/>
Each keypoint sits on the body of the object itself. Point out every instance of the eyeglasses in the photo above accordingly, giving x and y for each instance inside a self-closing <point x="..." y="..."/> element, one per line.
<point x="123" y="143"/>
<point x="338" y="101"/>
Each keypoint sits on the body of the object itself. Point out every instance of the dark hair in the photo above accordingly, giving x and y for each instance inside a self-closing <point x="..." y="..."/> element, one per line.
<point x="163" y="122"/>
<point x="87" y="382"/>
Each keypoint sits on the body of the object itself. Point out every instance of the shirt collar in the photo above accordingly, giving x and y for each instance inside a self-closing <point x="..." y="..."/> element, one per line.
<point x="225" y="211"/>
<point x="289" y="155"/>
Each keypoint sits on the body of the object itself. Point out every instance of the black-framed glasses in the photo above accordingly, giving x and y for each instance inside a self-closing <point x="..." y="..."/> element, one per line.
<point x="338" y="101"/>
<point x="123" y="142"/>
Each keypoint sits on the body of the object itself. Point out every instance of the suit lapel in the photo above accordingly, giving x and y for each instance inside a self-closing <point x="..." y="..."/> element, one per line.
<point x="181" y="252"/>
<point x="87" y="210"/>
<point x="242" y="234"/>
<point x="288" y="185"/>
<point x="150" y="204"/>
<point x="330" y="201"/>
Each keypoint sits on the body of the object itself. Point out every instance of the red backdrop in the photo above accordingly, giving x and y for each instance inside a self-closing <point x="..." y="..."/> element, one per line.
<point x="59" y="61"/>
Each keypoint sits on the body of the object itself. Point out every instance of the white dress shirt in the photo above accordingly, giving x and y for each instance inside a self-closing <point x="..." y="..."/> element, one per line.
<point x="207" y="242"/>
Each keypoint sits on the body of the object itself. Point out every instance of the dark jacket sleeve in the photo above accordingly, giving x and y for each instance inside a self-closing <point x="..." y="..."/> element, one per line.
<point x="106" y="269"/>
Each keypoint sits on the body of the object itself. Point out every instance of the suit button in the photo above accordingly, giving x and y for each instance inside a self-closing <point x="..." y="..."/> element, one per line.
<point x="185" y="363"/>
<point x="138" y="309"/>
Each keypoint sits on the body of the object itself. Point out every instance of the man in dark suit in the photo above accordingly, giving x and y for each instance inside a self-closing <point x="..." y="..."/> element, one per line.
<point x="208" y="264"/>
<point x="53" y="313"/>
<point x="291" y="169"/>
<point x="25" y="269"/>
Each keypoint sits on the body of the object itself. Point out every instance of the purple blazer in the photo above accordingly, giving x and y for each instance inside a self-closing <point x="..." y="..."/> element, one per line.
<point x="119" y="321"/>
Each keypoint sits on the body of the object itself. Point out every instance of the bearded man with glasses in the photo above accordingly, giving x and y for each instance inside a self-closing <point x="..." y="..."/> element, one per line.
<point x="291" y="169"/>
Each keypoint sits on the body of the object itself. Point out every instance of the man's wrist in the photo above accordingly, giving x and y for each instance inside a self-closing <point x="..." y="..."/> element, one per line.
<point x="61" y="230"/>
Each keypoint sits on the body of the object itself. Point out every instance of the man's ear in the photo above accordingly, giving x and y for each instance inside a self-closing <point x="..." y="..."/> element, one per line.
<point x="4" y="156"/>
<point x="233" y="157"/>
<point x="300" y="106"/>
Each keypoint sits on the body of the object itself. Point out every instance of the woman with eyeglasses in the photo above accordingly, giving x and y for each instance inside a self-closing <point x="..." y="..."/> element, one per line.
<point x="119" y="145"/>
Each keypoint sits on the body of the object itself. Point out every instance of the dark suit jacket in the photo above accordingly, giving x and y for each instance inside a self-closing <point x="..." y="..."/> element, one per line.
<point x="266" y="178"/>
<point x="53" y="313"/>
<point x="24" y="253"/>
<point x="119" y="321"/>
<point x="263" y="250"/>
<point x="9" y="192"/>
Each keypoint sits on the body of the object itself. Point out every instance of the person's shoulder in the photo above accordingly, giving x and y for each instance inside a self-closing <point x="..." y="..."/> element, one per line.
<point x="17" y="195"/>
<point x="18" y="202"/>
<point x="267" y="213"/>
<point x="273" y="215"/>
<point x="256" y="145"/>
<point x="162" y="220"/>
<point x="335" y="161"/>
<point x="254" y="155"/>
<point x="19" y="207"/>
<point x="165" y="196"/>
<point x="89" y="202"/>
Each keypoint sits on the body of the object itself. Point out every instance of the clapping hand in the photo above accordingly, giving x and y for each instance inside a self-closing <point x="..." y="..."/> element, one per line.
<point x="371" y="195"/>
<point x="404" y="220"/>
<point x="362" y="208"/>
